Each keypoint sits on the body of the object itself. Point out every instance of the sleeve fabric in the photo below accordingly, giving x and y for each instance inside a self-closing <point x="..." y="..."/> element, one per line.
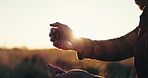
<point x="110" y="50"/>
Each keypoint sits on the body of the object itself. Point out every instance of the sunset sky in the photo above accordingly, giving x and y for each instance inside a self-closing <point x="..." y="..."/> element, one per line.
<point x="26" y="22"/>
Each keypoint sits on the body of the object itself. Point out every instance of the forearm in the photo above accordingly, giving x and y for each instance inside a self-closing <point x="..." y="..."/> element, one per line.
<point x="109" y="50"/>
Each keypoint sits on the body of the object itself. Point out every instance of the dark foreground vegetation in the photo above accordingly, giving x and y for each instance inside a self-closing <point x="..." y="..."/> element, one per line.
<point x="25" y="63"/>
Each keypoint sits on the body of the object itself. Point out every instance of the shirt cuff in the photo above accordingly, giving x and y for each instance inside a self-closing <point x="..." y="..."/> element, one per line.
<point x="87" y="49"/>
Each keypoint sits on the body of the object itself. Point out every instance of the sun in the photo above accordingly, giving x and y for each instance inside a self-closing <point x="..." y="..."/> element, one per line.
<point x="77" y="36"/>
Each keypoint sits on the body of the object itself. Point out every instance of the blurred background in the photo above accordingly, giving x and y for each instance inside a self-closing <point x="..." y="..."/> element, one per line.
<point x="25" y="63"/>
<point x="25" y="47"/>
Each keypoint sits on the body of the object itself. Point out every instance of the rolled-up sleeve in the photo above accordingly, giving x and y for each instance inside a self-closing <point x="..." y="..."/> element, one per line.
<point x="110" y="50"/>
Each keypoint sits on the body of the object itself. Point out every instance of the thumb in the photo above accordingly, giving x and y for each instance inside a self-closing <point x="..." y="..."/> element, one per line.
<point x="57" y="24"/>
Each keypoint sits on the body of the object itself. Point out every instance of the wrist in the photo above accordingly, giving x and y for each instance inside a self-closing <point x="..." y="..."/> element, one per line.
<point x="78" y="44"/>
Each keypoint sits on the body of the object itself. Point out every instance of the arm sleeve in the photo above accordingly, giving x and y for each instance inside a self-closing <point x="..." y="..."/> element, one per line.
<point x="110" y="50"/>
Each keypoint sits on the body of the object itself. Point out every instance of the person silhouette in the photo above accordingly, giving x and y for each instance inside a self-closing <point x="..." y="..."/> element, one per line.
<point x="133" y="44"/>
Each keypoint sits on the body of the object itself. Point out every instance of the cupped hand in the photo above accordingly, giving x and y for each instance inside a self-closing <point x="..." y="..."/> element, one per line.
<point x="61" y="36"/>
<point x="57" y="72"/>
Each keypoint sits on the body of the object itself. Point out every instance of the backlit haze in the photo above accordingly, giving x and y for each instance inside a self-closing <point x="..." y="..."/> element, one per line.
<point x="26" y="22"/>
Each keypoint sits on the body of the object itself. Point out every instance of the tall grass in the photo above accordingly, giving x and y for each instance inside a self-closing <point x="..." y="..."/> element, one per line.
<point x="24" y="63"/>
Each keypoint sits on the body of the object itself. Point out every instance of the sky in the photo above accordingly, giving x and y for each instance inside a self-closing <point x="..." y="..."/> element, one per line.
<point x="26" y="22"/>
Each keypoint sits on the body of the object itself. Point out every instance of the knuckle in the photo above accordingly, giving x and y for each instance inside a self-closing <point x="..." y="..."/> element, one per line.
<point x="55" y="44"/>
<point x="50" y="34"/>
<point x="52" y="29"/>
<point x="51" y="39"/>
<point x="54" y="32"/>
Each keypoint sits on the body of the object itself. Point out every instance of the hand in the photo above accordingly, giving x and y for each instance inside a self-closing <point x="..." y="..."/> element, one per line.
<point x="55" y="70"/>
<point x="61" y="36"/>
<point x="76" y="73"/>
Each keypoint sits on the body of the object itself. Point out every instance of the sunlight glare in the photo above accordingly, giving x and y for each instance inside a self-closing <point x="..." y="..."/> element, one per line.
<point x="76" y="35"/>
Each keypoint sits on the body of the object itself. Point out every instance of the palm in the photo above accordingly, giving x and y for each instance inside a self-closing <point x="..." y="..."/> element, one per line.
<point x="77" y="73"/>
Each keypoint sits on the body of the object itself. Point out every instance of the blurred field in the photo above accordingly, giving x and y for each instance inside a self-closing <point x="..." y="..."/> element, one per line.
<point x="25" y="63"/>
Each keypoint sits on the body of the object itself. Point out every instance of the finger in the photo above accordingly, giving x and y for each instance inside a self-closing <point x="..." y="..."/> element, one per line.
<point x="72" y="75"/>
<point x="58" y="69"/>
<point x="53" y="31"/>
<point x="55" y="70"/>
<point x="57" y="43"/>
<point x="54" y="35"/>
<point x="52" y="38"/>
<point x="51" y="69"/>
<point x="57" y="24"/>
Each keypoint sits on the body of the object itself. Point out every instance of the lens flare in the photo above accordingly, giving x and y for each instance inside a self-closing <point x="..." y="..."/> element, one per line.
<point x="69" y="43"/>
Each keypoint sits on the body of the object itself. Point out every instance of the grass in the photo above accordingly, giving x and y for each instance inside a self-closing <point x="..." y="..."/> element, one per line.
<point x="25" y="63"/>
